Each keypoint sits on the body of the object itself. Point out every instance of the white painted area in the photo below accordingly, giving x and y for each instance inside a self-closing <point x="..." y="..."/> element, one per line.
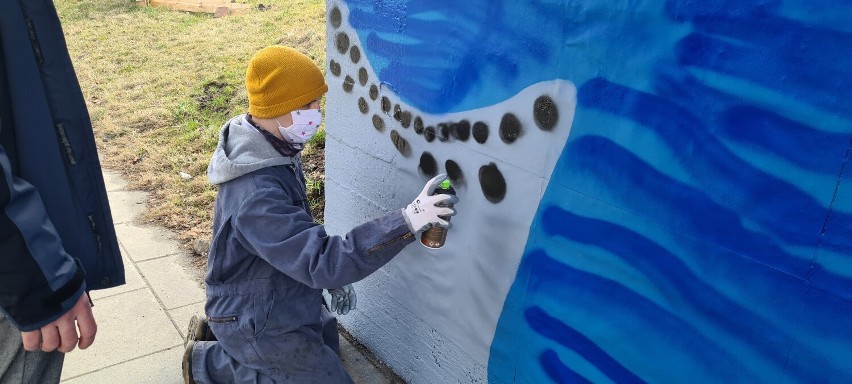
<point x="431" y="314"/>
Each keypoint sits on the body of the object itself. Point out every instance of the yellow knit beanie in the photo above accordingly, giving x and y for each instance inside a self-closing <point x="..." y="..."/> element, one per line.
<point x="280" y="80"/>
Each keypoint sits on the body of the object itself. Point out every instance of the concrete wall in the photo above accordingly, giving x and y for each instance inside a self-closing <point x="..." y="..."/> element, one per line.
<point x="650" y="190"/>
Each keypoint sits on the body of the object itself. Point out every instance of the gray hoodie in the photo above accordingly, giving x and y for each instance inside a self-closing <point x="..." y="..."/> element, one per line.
<point x="268" y="262"/>
<point x="242" y="150"/>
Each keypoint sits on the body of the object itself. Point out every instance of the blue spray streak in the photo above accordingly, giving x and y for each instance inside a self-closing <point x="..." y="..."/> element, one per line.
<point x="611" y="297"/>
<point x="551" y="328"/>
<point x="558" y="371"/>
<point x="818" y="82"/>
<point x="683" y="10"/>
<point x="774" y="203"/>
<point x="673" y="203"/>
<point x="733" y="118"/>
<point x="791" y="140"/>
<point x="450" y="47"/>
<point x="670" y="274"/>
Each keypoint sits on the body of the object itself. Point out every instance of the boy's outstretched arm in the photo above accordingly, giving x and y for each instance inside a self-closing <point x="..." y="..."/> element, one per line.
<point x="285" y="236"/>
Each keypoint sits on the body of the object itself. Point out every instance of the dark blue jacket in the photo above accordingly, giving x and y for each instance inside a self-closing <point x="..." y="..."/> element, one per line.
<point x="56" y="233"/>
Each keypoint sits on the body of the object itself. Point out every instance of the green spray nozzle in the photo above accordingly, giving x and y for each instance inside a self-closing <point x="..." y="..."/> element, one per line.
<point x="445" y="184"/>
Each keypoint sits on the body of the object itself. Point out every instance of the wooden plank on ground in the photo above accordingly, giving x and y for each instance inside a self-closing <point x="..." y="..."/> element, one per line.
<point x="216" y="7"/>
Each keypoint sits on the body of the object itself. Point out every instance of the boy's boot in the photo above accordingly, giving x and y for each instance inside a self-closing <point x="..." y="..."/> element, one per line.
<point x="186" y="366"/>
<point x="198" y="330"/>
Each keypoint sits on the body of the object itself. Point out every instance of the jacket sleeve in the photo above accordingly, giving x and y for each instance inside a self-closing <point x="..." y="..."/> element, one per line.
<point x="284" y="235"/>
<point x="39" y="281"/>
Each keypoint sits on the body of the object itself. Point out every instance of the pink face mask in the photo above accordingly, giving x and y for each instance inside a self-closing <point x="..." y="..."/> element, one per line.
<point x="305" y="125"/>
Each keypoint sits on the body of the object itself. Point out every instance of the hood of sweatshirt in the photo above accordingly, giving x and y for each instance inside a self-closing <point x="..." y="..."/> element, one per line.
<point x="241" y="150"/>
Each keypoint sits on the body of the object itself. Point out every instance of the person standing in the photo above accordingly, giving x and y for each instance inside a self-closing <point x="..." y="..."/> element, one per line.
<point x="57" y="240"/>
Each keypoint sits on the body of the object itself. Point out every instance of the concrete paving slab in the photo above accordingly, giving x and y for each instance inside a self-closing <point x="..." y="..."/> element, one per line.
<point x="182" y="315"/>
<point x="171" y="282"/>
<point x="358" y="366"/>
<point x="130" y="325"/>
<point x="113" y="182"/>
<point x="126" y="206"/>
<point x="133" y="281"/>
<point x="144" y="243"/>
<point x="158" y="368"/>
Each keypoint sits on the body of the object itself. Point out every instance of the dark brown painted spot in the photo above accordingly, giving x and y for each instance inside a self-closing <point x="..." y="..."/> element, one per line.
<point x="545" y="113"/>
<point x="397" y="112"/>
<point x="429" y="133"/>
<point x="454" y="172"/>
<point x="405" y="119"/>
<point x="461" y="130"/>
<point x="418" y="125"/>
<point x="428" y="165"/>
<point x="378" y="123"/>
<point x="400" y="143"/>
<point x="334" y="67"/>
<point x="374" y="92"/>
<point x="386" y="104"/>
<point x="492" y="182"/>
<point x="510" y="128"/>
<point x="480" y="132"/>
<point x="444" y="131"/>
<point x="362" y="76"/>
<point x="342" y="42"/>
<point x="348" y="83"/>
<point x="355" y="54"/>
<point x="335" y="17"/>
<point x="363" y="106"/>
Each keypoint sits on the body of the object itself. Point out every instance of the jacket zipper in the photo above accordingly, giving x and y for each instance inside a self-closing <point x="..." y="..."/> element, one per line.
<point x="386" y="243"/>
<point x="298" y="174"/>
<point x="299" y="178"/>
<point x="34" y="41"/>
<point x="62" y="135"/>
<point x="95" y="231"/>
<point x="226" y="319"/>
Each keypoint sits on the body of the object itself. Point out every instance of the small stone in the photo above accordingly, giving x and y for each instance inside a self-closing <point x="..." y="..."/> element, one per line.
<point x="201" y="247"/>
<point x="185" y="176"/>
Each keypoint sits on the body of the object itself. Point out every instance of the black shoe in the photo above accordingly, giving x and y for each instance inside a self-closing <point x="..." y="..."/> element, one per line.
<point x="198" y="330"/>
<point x="187" y="363"/>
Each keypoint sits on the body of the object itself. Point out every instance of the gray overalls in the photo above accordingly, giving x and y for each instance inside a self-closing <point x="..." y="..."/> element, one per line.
<point x="268" y="263"/>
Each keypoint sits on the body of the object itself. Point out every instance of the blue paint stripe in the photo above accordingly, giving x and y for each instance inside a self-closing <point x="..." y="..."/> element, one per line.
<point x="814" y="145"/>
<point x="697" y="9"/>
<point x="548" y="284"/>
<point x="671" y="275"/>
<point x="567" y="336"/>
<point x="635" y="184"/>
<point x="360" y="19"/>
<point x="819" y="85"/>
<point x="774" y="203"/>
<point x="558" y="371"/>
<point x="810" y="48"/>
<point x="798" y="143"/>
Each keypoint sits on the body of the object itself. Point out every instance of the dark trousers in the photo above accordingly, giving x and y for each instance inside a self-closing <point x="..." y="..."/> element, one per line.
<point x="17" y="366"/>
<point x="304" y="357"/>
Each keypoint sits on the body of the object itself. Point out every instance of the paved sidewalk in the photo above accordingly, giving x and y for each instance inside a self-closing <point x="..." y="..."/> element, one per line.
<point x="141" y="324"/>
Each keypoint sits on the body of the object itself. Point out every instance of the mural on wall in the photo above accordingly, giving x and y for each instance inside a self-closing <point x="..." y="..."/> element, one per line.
<point x="498" y="152"/>
<point x="695" y="226"/>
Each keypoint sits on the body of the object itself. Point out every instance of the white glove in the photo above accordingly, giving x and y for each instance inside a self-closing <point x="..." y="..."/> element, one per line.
<point x="343" y="299"/>
<point x="425" y="211"/>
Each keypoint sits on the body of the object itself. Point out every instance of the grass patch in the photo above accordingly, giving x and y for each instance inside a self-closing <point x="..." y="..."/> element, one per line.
<point x="159" y="84"/>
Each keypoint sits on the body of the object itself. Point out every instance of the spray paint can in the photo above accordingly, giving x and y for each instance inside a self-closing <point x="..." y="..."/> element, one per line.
<point x="436" y="236"/>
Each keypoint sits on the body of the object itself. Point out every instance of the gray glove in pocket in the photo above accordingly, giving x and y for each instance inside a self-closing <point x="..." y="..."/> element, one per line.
<point x="343" y="299"/>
